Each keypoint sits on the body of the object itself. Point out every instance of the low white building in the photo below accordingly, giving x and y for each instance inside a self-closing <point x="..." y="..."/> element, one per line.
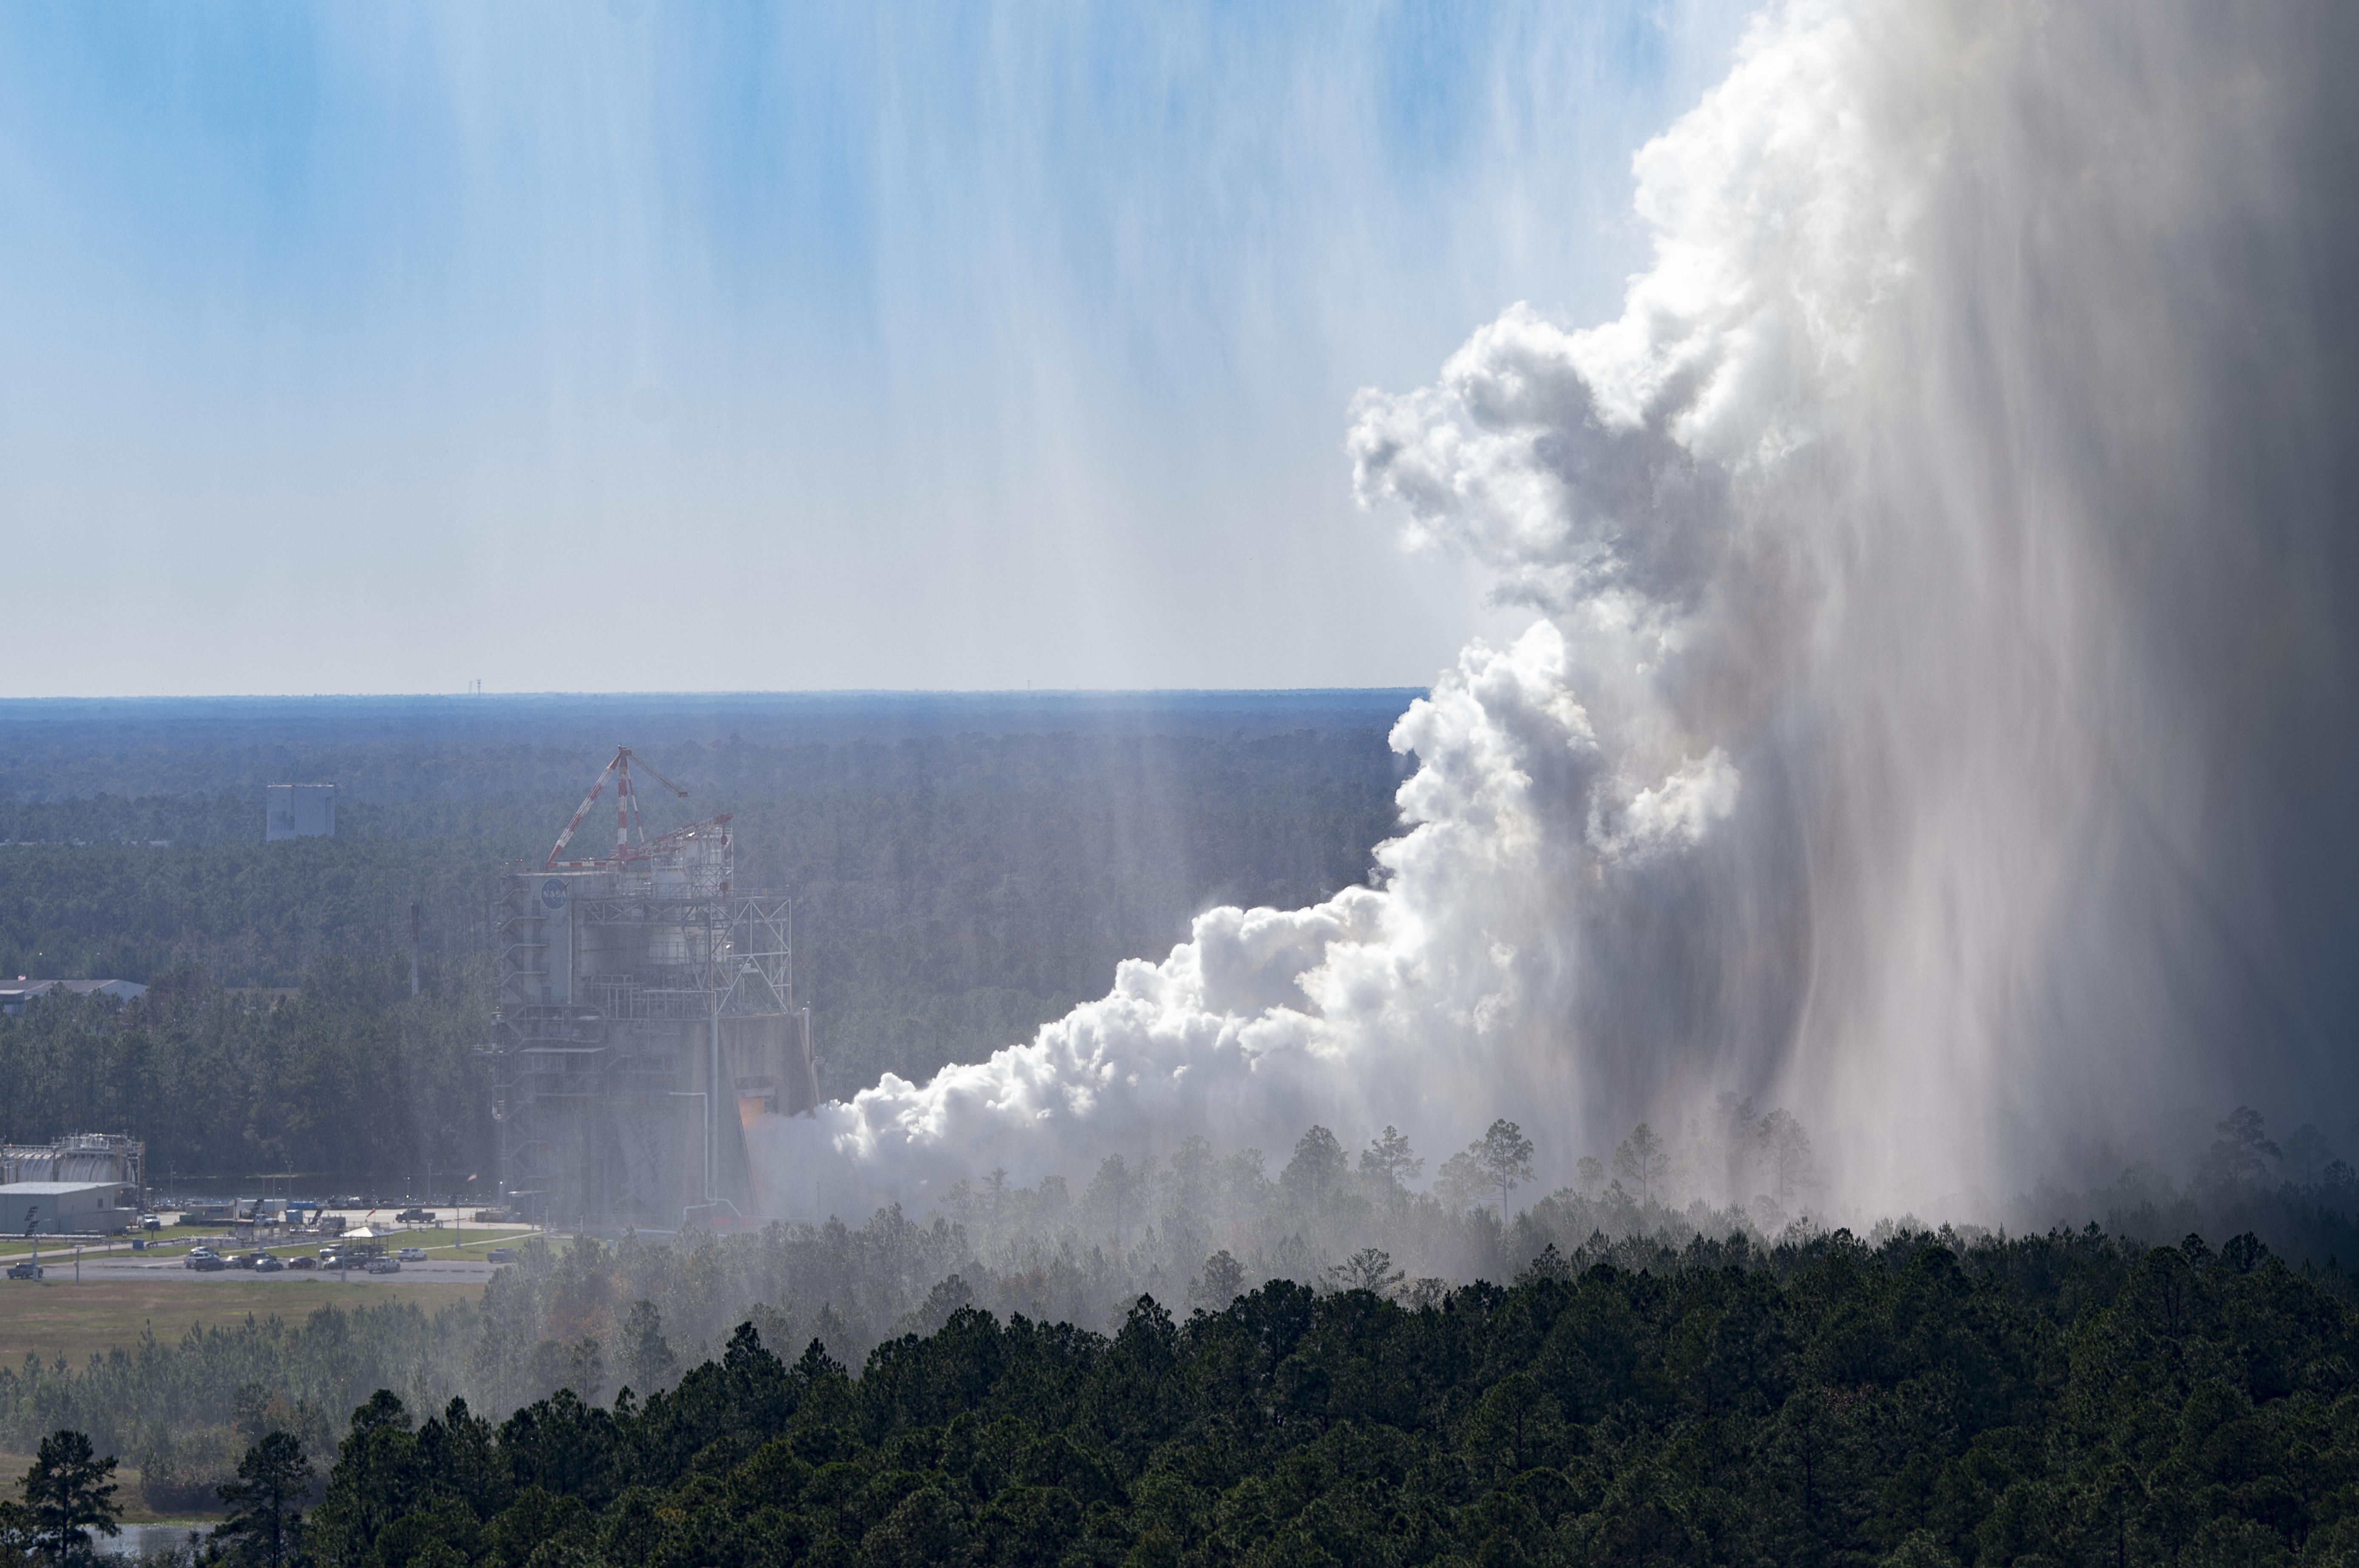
<point x="69" y="1208"/>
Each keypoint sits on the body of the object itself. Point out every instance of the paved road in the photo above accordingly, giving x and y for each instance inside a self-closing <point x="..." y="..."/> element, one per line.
<point x="453" y="1271"/>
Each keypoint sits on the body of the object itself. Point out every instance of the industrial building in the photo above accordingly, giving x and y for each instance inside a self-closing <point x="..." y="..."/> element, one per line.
<point x="647" y="1016"/>
<point x="81" y="1159"/>
<point x="66" y="1208"/>
<point x="299" y="811"/>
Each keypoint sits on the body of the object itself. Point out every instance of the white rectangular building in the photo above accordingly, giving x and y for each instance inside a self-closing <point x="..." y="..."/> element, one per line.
<point x="299" y="811"/>
<point x="67" y="1209"/>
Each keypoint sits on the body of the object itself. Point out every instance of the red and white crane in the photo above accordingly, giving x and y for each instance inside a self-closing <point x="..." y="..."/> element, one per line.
<point x="627" y="818"/>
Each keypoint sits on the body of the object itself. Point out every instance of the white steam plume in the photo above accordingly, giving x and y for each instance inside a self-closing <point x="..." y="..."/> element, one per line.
<point x="1934" y="717"/>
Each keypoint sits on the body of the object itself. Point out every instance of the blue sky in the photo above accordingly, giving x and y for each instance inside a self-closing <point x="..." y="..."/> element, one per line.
<point x="647" y="346"/>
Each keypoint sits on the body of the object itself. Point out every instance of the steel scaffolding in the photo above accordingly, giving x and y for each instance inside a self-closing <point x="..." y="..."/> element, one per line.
<point x="628" y="986"/>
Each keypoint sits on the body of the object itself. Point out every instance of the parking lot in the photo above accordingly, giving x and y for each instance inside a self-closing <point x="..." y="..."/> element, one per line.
<point x="136" y="1266"/>
<point x="462" y="1254"/>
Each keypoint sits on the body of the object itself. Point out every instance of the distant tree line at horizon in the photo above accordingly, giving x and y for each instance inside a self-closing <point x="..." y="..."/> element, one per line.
<point x="350" y="1081"/>
<point x="952" y="893"/>
<point x="405" y="752"/>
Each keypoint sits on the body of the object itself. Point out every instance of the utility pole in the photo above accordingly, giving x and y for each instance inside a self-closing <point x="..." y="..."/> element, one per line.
<point x="416" y="938"/>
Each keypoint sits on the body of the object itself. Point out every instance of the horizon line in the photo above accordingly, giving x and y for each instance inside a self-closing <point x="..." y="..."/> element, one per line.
<point x="747" y="692"/>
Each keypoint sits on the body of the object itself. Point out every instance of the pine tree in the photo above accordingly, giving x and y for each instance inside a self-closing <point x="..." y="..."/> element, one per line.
<point x="1504" y="1157"/>
<point x="1387" y="1159"/>
<point x="2240" y="1156"/>
<point x="1641" y="1160"/>
<point x="264" y="1501"/>
<point x="647" y="1360"/>
<point x="70" y="1492"/>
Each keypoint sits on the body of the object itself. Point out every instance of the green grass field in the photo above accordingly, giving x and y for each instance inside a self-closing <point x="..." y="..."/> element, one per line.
<point x="56" y="1317"/>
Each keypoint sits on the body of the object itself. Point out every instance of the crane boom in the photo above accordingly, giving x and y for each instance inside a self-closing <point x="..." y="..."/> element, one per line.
<point x="650" y="767"/>
<point x="587" y="802"/>
<point x="627" y="814"/>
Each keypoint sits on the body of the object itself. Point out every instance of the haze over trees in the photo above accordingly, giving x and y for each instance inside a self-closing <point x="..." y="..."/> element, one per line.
<point x="1194" y="1229"/>
<point x="964" y="868"/>
<point x="2069" y="1399"/>
<point x="350" y="1080"/>
<point x="1500" y="1160"/>
<point x="1692" y="1364"/>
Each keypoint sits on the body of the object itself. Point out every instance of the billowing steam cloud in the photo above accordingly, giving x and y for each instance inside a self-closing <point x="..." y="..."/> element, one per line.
<point x="1935" y="716"/>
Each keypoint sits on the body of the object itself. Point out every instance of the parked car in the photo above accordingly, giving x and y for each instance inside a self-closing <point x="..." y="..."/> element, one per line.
<point x="411" y="1255"/>
<point x="151" y="1222"/>
<point x="24" y="1270"/>
<point x="267" y="1264"/>
<point x="415" y="1217"/>
<point x="302" y="1263"/>
<point x="501" y="1255"/>
<point x="210" y="1263"/>
<point x="247" y="1259"/>
<point x="198" y="1255"/>
<point x="386" y="1266"/>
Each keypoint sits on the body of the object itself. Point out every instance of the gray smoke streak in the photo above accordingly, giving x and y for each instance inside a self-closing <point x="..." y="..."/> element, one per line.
<point x="1935" y="712"/>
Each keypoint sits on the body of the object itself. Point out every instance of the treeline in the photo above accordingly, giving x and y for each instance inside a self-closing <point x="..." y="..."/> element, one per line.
<point x="351" y="1081"/>
<point x="2066" y="1399"/>
<point x="2296" y="1191"/>
<point x="593" y="1316"/>
<point x="952" y="893"/>
<point x="590" y="1315"/>
<point x="525" y="796"/>
<point x="2060" y="1400"/>
<point x="450" y="750"/>
<point x="1194" y="1231"/>
<point x="256" y="915"/>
